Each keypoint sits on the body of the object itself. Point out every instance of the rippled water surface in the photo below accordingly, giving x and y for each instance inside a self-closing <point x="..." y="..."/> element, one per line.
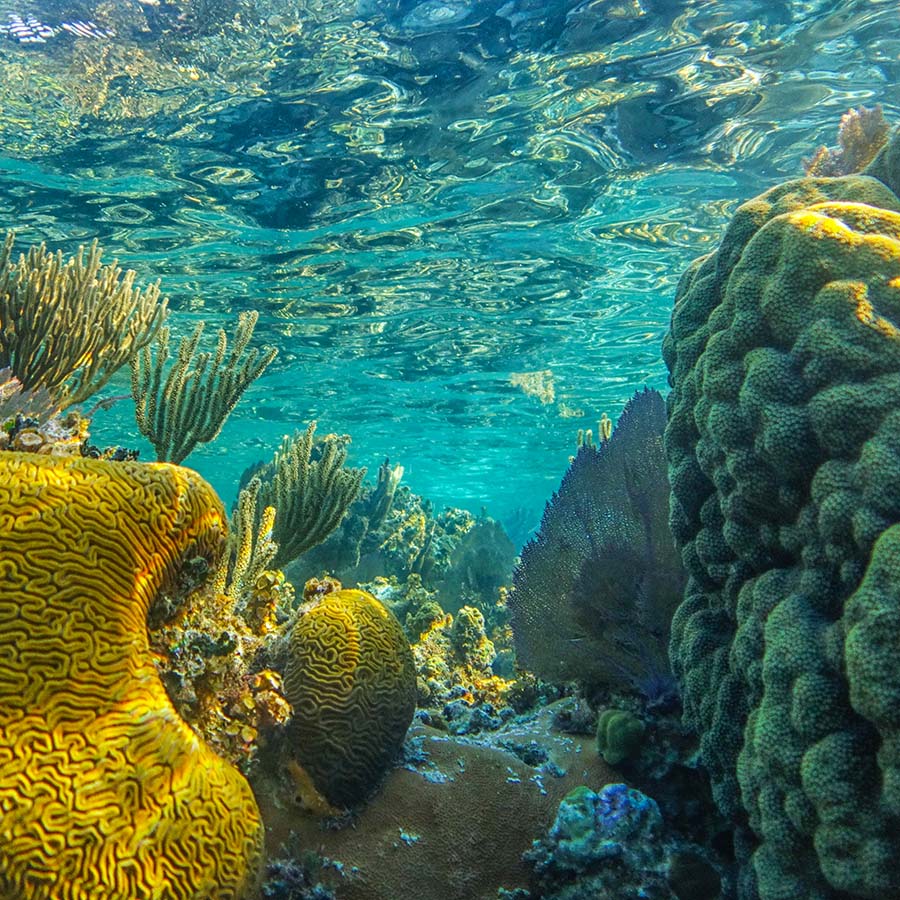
<point x="462" y="221"/>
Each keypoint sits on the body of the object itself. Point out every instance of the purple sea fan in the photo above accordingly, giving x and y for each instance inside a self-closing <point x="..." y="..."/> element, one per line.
<point x="595" y="591"/>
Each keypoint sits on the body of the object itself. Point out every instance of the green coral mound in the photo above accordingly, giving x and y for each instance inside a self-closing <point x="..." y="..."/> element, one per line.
<point x="619" y="735"/>
<point x="351" y="680"/>
<point x="784" y="449"/>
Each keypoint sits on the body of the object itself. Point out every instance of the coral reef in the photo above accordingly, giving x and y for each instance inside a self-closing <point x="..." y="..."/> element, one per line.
<point x="392" y="532"/>
<point x="56" y="435"/>
<point x="104" y="790"/>
<point x="31" y="422"/>
<point x="480" y="564"/>
<point x="784" y="353"/>
<point x="410" y="601"/>
<point x="593" y="596"/>
<point x="457" y="687"/>
<point x="351" y="681"/>
<point x="861" y="134"/>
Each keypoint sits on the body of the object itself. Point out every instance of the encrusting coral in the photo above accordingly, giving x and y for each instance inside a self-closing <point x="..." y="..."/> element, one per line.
<point x="783" y="436"/>
<point x="351" y="681"/>
<point x="104" y="790"/>
<point x="594" y="593"/>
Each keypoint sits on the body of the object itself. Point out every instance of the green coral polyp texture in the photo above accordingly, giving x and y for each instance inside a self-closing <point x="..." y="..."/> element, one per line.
<point x="784" y="447"/>
<point x="351" y="681"/>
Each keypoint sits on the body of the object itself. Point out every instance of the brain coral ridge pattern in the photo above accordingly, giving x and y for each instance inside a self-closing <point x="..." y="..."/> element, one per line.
<point x="784" y="450"/>
<point x="351" y="681"/>
<point x="104" y="790"/>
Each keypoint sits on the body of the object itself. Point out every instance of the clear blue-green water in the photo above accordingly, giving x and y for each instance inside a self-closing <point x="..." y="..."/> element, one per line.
<point x="429" y="204"/>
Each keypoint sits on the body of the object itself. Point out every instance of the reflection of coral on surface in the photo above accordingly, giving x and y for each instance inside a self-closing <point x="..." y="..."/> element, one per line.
<point x="782" y="440"/>
<point x="104" y="791"/>
<point x="535" y="384"/>
<point x="351" y="681"/>
<point x="594" y="593"/>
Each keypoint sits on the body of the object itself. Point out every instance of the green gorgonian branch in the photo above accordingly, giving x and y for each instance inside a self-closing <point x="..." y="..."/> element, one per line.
<point x="310" y="490"/>
<point x="67" y="326"/>
<point x="190" y="404"/>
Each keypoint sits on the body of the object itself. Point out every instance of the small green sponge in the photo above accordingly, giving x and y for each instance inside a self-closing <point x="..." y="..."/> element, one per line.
<point x="619" y="734"/>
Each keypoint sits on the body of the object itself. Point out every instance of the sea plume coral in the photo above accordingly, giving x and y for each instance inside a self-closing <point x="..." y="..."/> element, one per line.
<point x="310" y="489"/>
<point x="68" y="326"/>
<point x="593" y="596"/>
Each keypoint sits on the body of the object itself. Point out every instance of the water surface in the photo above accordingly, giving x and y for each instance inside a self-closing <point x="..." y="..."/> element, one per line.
<point x="462" y="221"/>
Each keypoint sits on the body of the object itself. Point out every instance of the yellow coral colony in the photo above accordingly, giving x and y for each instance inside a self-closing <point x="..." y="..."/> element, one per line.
<point x="104" y="791"/>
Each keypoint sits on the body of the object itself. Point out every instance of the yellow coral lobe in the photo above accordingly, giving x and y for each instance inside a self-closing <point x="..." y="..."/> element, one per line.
<point x="865" y="312"/>
<point x="351" y="681"/>
<point x="818" y="225"/>
<point x="104" y="790"/>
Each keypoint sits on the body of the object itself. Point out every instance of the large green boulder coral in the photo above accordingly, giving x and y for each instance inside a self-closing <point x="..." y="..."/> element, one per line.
<point x="784" y="449"/>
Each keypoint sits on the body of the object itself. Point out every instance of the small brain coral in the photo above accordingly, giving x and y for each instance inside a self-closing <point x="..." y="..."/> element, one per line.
<point x="351" y="680"/>
<point x="104" y="790"/>
<point x="784" y="450"/>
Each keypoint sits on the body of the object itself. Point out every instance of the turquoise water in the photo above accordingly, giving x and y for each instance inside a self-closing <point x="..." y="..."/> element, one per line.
<point x="425" y="202"/>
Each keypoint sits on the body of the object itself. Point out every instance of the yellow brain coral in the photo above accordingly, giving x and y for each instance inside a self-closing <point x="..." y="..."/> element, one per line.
<point x="104" y="790"/>
<point x="352" y="683"/>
